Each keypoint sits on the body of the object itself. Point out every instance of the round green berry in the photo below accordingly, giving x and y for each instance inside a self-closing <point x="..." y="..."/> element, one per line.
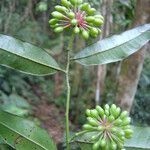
<point x="92" y="121"/>
<point x="91" y="11"/>
<point x="71" y="15"/>
<point x="58" y="29"/>
<point x="85" y="34"/>
<point x="58" y="15"/>
<point x="61" y="8"/>
<point x="94" y="32"/>
<point x="65" y="3"/>
<point x="74" y="22"/>
<point x="53" y="21"/>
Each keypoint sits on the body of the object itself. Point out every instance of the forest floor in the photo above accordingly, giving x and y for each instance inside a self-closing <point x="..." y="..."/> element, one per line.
<point x="52" y="119"/>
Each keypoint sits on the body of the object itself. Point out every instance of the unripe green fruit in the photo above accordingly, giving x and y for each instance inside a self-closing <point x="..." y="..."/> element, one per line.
<point x="74" y="21"/>
<point x="71" y="15"/>
<point x="124" y="114"/>
<point x="73" y="2"/>
<point x="107" y="112"/>
<point x="126" y="121"/>
<point x="76" y="30"/>
<point x="94" y="32"/>
<point x="100" y="128"/>
<point x="61" y="8"/>
<point x="106" y="107"/>
<point x="91" y="11"/>
<point x="99" y="16"/>
<point x="118" y="122"/>
<point x="96" y="146"/>
<point x="58" y="29"/>
<point x="103" y="143"/>
<point x="128" y="136"/>
<point x="128" y="132"/>
<point x="126" y="127"/>
<point x="100" y="111"/>
<point x="87" y="127"/>
<point x="117" y="112"/>
<point x="85" y="6"/>
<point x="98" y="22"/>
<point x="89" y="19"/>
<point x="110" y="127"/>
<point x="79" y="2"/>
<point x="113" y="129"/>
<point x="113" y="107"/>
<point x="85" y="34"/>
<point x="111" y="118"/>
<point x="76" y="2"/>
<point x="53" y="21"/>
<point x="120" y="133"/>
<point x="113" y="146"/>
<point x="99" y="31"/>
<point x="88" y="111"/>
<point x="92" y="121"/>
<point x="58" y="15"/>
<point x="65" y="3"/>
<point x="94" y="114"/>
<point x="94" y="137"/>
<point x="55" y="25"/>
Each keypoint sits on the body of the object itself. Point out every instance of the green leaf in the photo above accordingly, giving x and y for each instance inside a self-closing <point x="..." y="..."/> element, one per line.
<point x="22" y="134"/>
<point x="26" y="57"/>
<point x="114" y="48"/>
<point x="139" y="141"/>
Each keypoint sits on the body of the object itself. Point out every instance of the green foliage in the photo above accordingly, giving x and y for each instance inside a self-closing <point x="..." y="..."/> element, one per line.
<point x="115" y="48"/>
<point x="123" y="14"/>
<point x="108" y="120"/>
<point x="31" y="26"/>
<point x="140" y="140"/>
<point x="22" y="134"/>
<point x="26" y="57"/>
<point x="14" y="104"/>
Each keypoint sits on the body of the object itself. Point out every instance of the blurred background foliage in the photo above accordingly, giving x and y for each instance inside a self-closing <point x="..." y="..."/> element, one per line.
<point x="23" y="94"/>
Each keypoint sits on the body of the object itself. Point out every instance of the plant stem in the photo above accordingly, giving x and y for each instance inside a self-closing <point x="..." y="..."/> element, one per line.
<point x="70" y="46"/>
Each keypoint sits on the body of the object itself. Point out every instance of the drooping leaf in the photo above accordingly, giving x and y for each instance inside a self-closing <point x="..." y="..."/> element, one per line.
<point x="25" y="57"/>
<point x="114" y="48"/>
<point x="22" y="134"/>
<point x="139" y="141"/>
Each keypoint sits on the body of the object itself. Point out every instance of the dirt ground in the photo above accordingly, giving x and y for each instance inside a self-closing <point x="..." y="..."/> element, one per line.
<point x="52" y="119"/>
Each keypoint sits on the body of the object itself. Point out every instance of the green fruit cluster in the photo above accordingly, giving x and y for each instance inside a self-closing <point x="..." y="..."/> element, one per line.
<point x="78" y="16"/>
<point x="111" y="126"/>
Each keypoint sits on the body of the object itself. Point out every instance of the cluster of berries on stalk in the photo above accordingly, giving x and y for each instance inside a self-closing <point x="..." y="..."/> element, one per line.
<point x="78" y="16"/>
<point x="111" y="127"/>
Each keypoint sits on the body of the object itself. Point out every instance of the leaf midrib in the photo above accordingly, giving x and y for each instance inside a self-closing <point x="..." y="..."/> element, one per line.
<point x="32" y="60"/>
<point x="110" y="48"/>
<point x="23" y="136"/>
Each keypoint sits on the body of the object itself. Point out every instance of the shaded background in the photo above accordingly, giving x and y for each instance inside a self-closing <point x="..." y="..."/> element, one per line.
<point x="42" y="99"/>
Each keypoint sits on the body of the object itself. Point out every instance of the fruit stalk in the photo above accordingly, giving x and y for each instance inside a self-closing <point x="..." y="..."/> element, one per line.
<point x="70" y="47"/>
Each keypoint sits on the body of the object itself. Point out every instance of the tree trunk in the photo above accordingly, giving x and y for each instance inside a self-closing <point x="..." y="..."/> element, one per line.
<point x="101" y="71"/>
<point x="131" y="68"/>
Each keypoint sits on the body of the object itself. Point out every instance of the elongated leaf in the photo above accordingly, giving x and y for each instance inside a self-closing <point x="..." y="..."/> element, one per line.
<point x="22" y="134"/>
<point x="25" y="57"/>
<point x="139" y="141"/>
<point x="114" y="48"/>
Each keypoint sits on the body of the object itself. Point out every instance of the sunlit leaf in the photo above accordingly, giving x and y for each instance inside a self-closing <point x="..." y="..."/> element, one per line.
<point x="26" y="57"/>
<point x="115" y="48"/>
